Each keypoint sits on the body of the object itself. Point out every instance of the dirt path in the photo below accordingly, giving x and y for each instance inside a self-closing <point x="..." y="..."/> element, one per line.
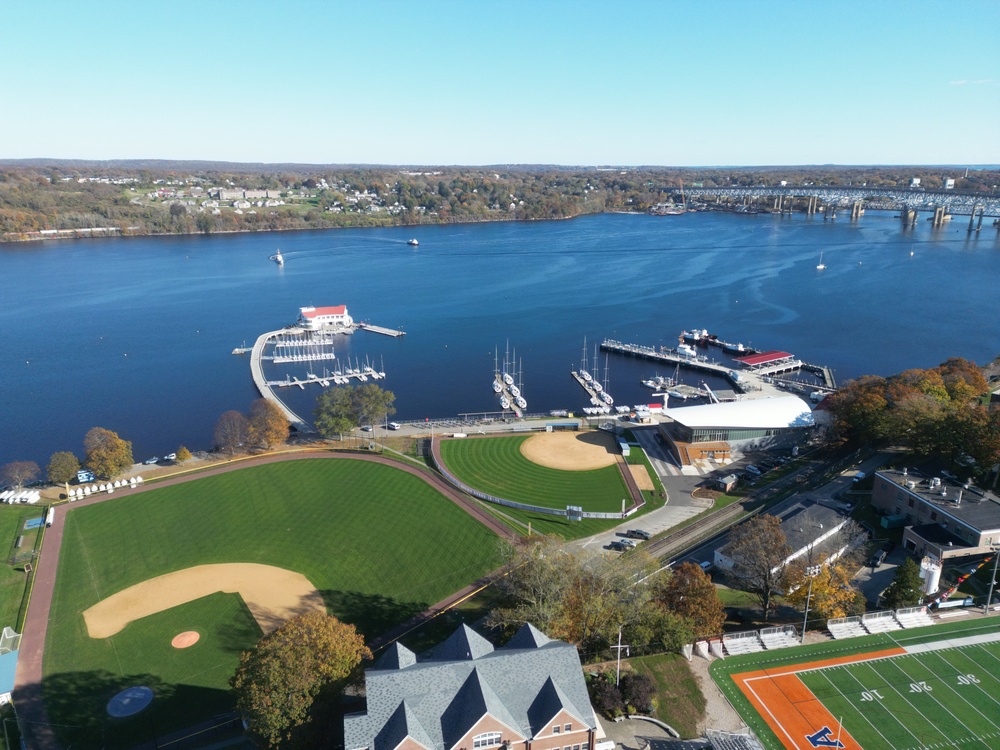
<point x="38" y="734"/>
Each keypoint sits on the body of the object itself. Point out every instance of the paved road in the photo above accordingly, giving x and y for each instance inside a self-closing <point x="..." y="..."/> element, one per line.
<point x="27" y="686"/>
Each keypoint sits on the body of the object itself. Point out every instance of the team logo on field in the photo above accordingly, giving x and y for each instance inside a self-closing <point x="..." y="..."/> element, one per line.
<point x="824" y="738"/>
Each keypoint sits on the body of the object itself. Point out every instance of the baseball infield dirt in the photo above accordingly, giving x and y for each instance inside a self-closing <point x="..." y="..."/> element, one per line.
<point x="571" y="451"/>
<point x="273" y="595"/>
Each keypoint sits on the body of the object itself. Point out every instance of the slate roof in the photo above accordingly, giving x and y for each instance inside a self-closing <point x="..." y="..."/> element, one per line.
<point x="441" y="696"/>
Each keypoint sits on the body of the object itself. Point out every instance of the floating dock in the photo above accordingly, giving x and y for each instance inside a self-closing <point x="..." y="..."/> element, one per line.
<point x="257" y="371"/>
<point x="381" y="329"/>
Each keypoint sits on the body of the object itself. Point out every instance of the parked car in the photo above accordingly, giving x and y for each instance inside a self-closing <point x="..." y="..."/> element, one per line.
<point x="638" y="534"/>
<point x="151" y="461"/>
<point x="367" y="428"/>
<point x="628" y="543"/>
<point x="170" y="457"/>
<point x="394" y="425"/>
<point x="753" y="470"/>
<point x="617" y="546"/>
<point x="706" y="566"/>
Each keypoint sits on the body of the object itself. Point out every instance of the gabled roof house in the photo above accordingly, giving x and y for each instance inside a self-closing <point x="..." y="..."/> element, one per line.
<point x="466" y="695"/>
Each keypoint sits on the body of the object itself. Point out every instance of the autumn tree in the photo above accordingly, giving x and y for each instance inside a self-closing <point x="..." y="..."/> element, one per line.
<point x="19" y="473"/>
<point x="828" y="588"/>
<point x="232" y="432"/>
<point x="62" y="468"/>
<point x="758" y="551"/>
<point x="689" y="593"/>
<point x="278" y="680"/>
<point x="582" y="599"/>
<point x="183" y="454"/>
<point x="906" y="589"/>
<point x="267" y="424"/>
<point x="107" y="455"/>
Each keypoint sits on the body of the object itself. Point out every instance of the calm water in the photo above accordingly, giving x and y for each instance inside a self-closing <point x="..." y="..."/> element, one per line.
<point x="135" y="334"/>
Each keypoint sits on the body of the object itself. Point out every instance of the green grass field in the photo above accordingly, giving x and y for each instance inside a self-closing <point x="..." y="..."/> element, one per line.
<point x="935" y="698"/>
<point x="496" y="466"/>
<point x="12" y="579"/>
<point x="379" y="544"/>
<point x="949" y="696"/>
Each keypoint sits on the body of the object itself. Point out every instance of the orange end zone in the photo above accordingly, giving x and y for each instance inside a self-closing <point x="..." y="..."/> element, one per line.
<point x="797" y="718"/>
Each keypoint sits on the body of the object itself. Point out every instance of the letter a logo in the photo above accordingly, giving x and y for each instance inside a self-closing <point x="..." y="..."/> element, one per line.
<point x="822" y="738"/>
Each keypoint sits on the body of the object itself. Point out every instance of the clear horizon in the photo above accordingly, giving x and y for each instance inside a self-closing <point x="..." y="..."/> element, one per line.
<point x="438" y="83"/>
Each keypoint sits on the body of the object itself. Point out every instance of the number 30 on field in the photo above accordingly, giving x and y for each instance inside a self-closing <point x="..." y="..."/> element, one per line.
<point x="968" y="679"/>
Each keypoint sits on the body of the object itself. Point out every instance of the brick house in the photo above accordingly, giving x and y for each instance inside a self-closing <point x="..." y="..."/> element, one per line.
<point x="465" y="695"/>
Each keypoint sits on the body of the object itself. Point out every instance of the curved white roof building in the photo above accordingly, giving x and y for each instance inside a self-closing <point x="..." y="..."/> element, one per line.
<point x="710" y="431"/>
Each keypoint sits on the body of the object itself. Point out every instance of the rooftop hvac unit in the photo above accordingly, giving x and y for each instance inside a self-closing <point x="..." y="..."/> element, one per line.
<point x="904" y="471"/>
<point x="912" y="485"/>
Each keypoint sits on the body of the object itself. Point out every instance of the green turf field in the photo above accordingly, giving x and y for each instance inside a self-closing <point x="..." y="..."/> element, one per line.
<point x="12" y="578"/>
<point x="945" y="697"/>
<point x="930" y="699"/>
<point x="378" y="543"/>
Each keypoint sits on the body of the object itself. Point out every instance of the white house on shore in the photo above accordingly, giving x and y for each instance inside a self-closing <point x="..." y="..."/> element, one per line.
<point x="319" y="318"/>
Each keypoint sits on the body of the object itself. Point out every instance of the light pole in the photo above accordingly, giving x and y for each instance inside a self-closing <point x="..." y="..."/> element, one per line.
<point x="993" y="580"/>
<point x="618" y="671"/>
<point x="811" y="571"/>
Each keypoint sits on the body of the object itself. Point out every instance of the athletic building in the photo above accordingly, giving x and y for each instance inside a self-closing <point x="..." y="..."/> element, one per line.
<point x="714" y="430"/>
<point x="318" y="318"/>
<point x="465" y="695"/>
<point x="942" y="518"/>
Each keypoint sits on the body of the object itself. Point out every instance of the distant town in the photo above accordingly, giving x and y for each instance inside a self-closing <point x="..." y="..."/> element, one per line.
<point x="46" y="199"/>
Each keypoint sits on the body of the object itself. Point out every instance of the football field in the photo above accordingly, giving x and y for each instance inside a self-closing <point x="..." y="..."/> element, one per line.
<point x="902" y="694"/>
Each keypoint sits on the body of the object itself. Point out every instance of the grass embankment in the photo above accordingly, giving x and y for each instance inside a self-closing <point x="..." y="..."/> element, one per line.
<point x="497" y="467"/>
<point x="378" y="543"/>
<point x="12" y="577"/>
<point x="679" y="700"/>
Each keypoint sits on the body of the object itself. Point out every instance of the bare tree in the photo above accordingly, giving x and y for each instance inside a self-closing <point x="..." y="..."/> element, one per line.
<point x="759" y="553"/>
<point x="232" y="432"/>
<point x="19" y="473"/>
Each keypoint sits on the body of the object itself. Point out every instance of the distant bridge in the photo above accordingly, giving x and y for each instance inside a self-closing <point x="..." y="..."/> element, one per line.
<point x="889" y="199"/>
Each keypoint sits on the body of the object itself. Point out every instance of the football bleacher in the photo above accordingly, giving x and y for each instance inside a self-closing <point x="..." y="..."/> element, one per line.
<point x="880" y="622"/>
<point x="914" y="617"/>
<point x="747" y="642"/>
<point x="782" y="636"/>
<point x="845" y="627"/>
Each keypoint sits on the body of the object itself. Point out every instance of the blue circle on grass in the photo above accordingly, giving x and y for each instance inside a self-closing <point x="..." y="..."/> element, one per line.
<point x="130" y="701"/>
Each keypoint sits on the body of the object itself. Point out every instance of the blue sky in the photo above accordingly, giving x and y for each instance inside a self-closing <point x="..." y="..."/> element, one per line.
<point x="576" y="83"/>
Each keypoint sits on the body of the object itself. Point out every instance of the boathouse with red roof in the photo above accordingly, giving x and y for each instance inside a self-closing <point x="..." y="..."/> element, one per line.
<point x="318" y="318"/>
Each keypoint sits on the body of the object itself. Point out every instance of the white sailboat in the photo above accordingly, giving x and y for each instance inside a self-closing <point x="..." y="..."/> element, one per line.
<point x="821" y="266"/>
<point x="277" y="258"/>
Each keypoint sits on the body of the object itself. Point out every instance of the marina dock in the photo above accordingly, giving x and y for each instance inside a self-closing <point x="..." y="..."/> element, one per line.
<point x="257" y="372"/>
<point x="381" y="329"/>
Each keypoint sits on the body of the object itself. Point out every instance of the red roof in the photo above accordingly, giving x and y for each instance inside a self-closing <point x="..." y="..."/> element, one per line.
<point x="763" y="358"/>
<point x="316" y="311"/>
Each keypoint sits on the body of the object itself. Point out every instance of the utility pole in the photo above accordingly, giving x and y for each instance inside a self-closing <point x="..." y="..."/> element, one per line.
<point x="618" y="672"/>
<point x="993" y="580"/>
<point x="811" y="571"/>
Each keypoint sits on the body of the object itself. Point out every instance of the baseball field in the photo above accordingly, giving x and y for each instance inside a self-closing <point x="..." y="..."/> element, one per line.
<point x="922" y="688"/>
<point x="164" y="589"/>
<point x="549" y="470"/>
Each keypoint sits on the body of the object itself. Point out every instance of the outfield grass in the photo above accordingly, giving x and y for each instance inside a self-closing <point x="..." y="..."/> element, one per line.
<point x="495" y="465"/>
<point x="12" y="581"/>
<point x="842" y="688"/>
<point x="378" y="543"/>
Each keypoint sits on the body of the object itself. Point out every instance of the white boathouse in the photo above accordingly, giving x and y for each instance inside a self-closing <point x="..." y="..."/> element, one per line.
<point x="320" y="318"/>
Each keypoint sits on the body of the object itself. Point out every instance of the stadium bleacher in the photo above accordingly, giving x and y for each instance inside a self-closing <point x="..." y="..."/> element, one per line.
<point x="747" y="642"/>
<point x="782" y="636"/>
<point x="880" y="622"/>
<point x="845" y="627"/>
<point x="744" y="740"/>
<point x="914" y="617"/>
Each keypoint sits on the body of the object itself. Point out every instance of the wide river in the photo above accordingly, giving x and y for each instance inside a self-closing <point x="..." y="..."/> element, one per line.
<point x="135" y="334"/>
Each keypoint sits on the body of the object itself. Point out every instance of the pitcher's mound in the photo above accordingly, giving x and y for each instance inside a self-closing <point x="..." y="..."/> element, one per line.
<point x="186" y="639"/>
<point x="571" y="451"/>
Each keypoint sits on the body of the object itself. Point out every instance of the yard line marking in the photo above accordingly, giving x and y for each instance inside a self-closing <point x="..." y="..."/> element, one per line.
<point x="962" y="697"/>
<point x="895" y="663"/>
<point x="888" y="711"/>
<point x="857" y="709"/>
